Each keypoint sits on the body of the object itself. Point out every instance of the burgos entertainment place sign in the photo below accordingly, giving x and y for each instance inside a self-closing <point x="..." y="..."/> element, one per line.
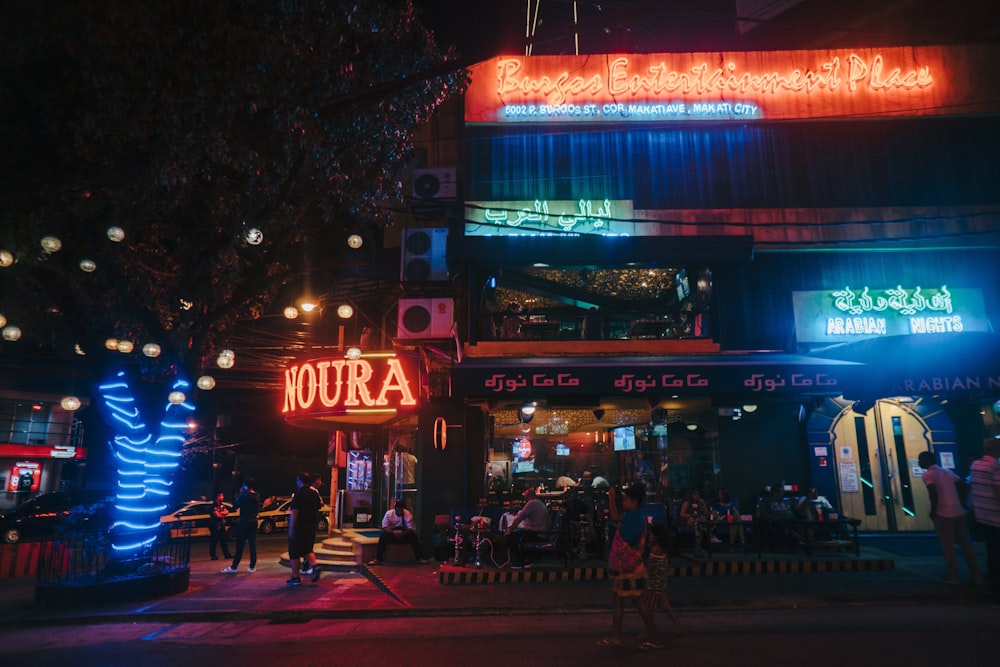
<point x="725" y="85"/>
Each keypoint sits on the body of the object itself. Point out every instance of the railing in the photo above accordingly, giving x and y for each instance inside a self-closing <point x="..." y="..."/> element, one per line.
<point x="87" y="558"/>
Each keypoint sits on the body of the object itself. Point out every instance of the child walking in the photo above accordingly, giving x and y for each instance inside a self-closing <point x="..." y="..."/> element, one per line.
<point x="656" y="575"/>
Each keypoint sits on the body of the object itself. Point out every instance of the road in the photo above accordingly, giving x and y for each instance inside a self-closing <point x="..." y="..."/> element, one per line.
<point x="846" y="636"/>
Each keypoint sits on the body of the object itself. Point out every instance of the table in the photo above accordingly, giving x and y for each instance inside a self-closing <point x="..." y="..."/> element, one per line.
<point x="807" y="527"/>
<point x="845" y="524"/>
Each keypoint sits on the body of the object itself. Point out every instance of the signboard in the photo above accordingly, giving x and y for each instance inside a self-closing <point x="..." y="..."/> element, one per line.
<point x="855" y="313"/>
<point x="750" y="374"/>
<point x="542" y="217"/>
<point x="25" y="476"/>
<point x="743" y="86"/>
<point x="369" y="389"/>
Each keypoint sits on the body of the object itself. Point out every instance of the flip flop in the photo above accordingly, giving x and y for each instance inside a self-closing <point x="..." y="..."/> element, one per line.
<point x="609" y="642"/>
<point x="650" y="646"/>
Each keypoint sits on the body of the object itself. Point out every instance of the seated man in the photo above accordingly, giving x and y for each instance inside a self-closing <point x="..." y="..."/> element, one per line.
<point x="778" y="511"/>
<point x="397" y="528"/>
<point x="814" y="507"/>
<point x="532" y="519"/>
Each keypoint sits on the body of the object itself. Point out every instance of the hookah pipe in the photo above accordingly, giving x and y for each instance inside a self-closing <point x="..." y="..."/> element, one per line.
<point x="458" y="542"/>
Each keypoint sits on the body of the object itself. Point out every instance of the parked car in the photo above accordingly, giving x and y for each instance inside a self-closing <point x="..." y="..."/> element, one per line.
<point x="193" y="519"/>
<point x="40" y="518"/>
<point x="276" y="510"/>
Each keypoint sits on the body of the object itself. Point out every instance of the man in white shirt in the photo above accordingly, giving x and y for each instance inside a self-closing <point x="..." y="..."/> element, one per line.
<point x="397" y="528"/>
<point x="532" y="519"/>
<point x="986" y="507"/>
<point x="948" y="516"/>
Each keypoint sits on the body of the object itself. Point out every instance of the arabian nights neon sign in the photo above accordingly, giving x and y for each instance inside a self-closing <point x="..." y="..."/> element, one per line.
<point x="858" y="313"/>
<point x="375" y="383"/>
<point x="679" y="86"/>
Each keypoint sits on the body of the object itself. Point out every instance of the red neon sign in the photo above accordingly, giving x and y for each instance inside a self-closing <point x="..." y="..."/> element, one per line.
<point x="375" y="383"/>
<point x="773" y="85"/>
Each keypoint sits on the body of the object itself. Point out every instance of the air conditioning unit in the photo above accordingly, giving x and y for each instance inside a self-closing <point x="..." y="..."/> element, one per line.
<point x="438" y="183"/>
<point x="423" y="255"/>
<point x="426" y="318"/>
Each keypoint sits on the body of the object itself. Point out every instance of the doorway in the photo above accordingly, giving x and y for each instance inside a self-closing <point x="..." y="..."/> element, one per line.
<point x="875" y="446"/>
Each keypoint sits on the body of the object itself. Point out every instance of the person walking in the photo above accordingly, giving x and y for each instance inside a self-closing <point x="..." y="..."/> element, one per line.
<point x="626" y="562"/>
<point x="306" y="503"/>
<point x="217" y="529"/>
<point x="986" y="507"/>
<point x="948" y="516"/>
<point x="248" y="504"/>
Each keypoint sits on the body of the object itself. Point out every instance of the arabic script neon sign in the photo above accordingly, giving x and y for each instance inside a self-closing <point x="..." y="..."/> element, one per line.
<point x="856" y="313"/>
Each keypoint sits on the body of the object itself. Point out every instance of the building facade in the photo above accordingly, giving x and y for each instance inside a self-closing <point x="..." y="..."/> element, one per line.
<point x="722" y="270"/>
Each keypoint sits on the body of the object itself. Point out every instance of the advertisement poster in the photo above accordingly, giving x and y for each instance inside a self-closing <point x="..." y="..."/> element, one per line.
<point x="849" y="477"/>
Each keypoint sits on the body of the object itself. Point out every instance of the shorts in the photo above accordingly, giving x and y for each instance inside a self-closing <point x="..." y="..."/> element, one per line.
<point x="301" y="544"/>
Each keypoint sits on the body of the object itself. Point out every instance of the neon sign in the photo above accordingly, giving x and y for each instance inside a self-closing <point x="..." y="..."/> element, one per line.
<point x="855" y="314"/>
<point x="734" y="85"/>
<point x="377" y="383"/>
<point x="542" y="217"/>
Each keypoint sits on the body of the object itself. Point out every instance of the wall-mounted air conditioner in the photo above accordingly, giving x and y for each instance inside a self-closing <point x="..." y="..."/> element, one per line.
<point x="437" y="183"/>
<point x="423" y="255"/>
<point x="426" y="318"/>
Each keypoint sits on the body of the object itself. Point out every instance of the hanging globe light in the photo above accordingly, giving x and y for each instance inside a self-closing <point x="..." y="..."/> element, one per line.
<point x="176" y="397"/>
<point x="345" y="311"/>
<point x="226" y="359"/>
<point x="3" y="321"/>
<point x="291" y="312"/>
<point x="355" y="241"/>
<point x="206" y="382"/>
<point x="116" y="234"/>
<point x="353" y="353"/>
<point x="88" y="265"/>
<point x="126" y="346"/>
<point x="111" y="343"/>
<point x="70" y="403"/>
<point x="151" y="350"/>
<point x="254" y="236"/>
<point x="11" y="333"/>
<point x="51" y="244"/>
<point x="6" y="258"/>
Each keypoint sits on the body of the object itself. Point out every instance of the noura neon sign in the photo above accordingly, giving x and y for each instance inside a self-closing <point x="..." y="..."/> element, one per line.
<point x="374" y="383"/>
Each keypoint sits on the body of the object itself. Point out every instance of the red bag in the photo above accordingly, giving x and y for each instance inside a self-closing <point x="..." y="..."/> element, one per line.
<point x="624" y="557"/>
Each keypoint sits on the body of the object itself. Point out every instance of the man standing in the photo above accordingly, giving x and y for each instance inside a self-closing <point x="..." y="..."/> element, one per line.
<point x="218" y="529"/>
<point x="533" y="519"/>
<point x="397" y="528"/>
<point x="248" y="504"/>
<point x="305" y="507"/>
<point x="986" y="506"/>
<point x="948" y="516"/>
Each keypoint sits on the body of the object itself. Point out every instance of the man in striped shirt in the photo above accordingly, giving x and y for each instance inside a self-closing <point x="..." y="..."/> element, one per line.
<point x="985" y="474"/>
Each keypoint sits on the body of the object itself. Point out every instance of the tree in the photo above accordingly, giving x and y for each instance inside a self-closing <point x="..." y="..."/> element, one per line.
<point x="197" y="128"/>
<point x="171" y="166"/>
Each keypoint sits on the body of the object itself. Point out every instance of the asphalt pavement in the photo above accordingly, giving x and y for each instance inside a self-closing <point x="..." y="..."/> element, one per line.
<point x="913" y="575"/>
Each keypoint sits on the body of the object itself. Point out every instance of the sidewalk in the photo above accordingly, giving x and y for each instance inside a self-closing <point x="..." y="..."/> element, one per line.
<point x="914" y="577"/>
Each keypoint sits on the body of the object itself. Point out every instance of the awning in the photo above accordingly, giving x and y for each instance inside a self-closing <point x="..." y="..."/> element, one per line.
<point x="746" y="374"/>
<point x="947" y="364"/>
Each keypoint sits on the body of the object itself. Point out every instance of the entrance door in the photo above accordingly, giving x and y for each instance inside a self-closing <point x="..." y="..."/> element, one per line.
<point x="877" y="452"/>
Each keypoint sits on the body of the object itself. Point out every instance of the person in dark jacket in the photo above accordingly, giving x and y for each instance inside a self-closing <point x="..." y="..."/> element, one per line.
<point x="248" y="504"/>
